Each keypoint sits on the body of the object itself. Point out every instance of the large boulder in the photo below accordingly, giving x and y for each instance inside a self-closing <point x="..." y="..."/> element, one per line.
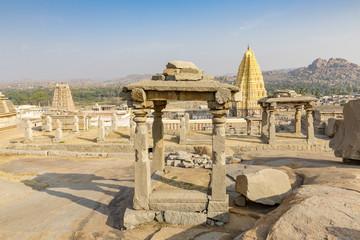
<point x="312" y="212"/>
<point x="346" y="143"/>
<point x="267" y="186"/>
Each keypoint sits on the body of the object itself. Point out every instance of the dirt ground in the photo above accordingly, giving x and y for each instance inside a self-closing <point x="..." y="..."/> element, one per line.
<point x="68" y="198"/>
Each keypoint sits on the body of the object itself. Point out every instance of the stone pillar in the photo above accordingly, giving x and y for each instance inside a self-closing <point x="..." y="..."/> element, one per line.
<point x="187" y="122"/>
<point x="48" y="124"/>
<point x="297" y="129"/>
<point x="158" y="137"/>
<point x="249" y="126"/>
<point x="58" y="131"/>
<point x="272" y="125"/>
<point x="132" y="128"/>
<point x="218" y="158"/>
<point x="182" y="137"/>
<point x="264" y="122"/>
<point x="142" y="187"/>
<point x="86" y="122"/>
<point x="219" y="200"/>
<point x="309" y="125"/>
<point x="76" y="124"/>
<point x="101" y="130"/>
<point x="114" y="123"/>
<point x="28" y="131"/>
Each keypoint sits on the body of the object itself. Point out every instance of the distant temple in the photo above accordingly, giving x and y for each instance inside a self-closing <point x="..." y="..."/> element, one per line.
<point x="250" y="81"/>
<point x="62" y="98"/>
<point x="7" y="113"/>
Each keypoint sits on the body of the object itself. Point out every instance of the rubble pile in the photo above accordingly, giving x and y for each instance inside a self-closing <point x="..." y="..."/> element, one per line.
<point x="191" y="160"/>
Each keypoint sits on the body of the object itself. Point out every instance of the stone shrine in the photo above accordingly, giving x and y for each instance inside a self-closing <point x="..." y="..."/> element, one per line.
<point x="62" y="98"/>
<point x="250" y="81"/>
<point x="181" y="81"/>
<point x="287" y="98"/>
<point x="7" y="113"/>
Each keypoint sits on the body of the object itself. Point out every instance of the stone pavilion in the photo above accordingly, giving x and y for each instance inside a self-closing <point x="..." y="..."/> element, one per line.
<point x="287" y="98"/>
<point x="181" y="81"/>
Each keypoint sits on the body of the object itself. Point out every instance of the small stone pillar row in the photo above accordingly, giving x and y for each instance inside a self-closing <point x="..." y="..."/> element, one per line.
<point x="309" y="124"/>
<point x="264" y="122"/>
<point x="142" y="178"/>
<point x="298" y="119"/>
<point x="158" y="137"/>
<point x="272" y="125"/>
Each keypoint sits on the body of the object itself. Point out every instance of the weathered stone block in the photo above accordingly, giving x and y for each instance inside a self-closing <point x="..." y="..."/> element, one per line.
<point x="218" y="206"/>
<point x="184" y="218"/>
<point x="267" y="186"/>
<point x="132" y="218"/>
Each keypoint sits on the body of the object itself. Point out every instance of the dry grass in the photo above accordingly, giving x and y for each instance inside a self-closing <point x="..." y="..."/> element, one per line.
<point x="188" y="179"/>
<point x="21" y="177"/>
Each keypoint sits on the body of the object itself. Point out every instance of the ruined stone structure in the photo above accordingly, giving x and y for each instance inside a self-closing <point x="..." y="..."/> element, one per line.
<point x="67" y="119"/>
<point x="250" y="81"/>
<point x="7" y="113"/>
<point x="322" y="114"/>
<point x="62" y="98"/>
<point x="287" y="98"/>
<point x="181" y="81"/>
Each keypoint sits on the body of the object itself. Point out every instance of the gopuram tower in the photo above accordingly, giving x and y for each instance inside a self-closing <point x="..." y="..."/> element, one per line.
<point x="250" y="81"/>
<point x="62" y="98"/>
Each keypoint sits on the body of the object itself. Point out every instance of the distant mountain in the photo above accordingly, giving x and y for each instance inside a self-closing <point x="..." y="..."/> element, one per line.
<point x="320" y="70"/>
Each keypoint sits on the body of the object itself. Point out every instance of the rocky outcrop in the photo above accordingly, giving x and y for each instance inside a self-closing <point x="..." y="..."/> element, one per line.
<point x="267" y="186"/>
<point x="333" y="70"/>
<point x="322" y="69"/>
<point x="346" y="143"/>
<point x="312" y="212"/>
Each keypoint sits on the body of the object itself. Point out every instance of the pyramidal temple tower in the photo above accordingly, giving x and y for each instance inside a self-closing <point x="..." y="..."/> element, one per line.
<point x="62" y="98"/>
<point x="250" y="81"/>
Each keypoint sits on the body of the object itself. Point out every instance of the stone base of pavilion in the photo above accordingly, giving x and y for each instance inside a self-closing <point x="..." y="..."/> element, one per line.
<point x="179" y="198"/>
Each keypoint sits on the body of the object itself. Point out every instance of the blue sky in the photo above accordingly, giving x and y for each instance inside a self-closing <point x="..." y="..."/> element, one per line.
<point x="62" y="40"/>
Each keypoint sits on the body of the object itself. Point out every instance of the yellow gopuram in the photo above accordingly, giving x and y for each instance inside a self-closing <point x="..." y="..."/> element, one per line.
<point x="250" y="81"/>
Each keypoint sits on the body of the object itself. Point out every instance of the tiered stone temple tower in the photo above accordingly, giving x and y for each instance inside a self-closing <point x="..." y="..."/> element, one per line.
<point x="62" y="98"/>
<point x="250" y="81"/>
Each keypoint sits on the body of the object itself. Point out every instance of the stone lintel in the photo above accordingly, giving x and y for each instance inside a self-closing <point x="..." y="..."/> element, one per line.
<point x="179" y="96"/>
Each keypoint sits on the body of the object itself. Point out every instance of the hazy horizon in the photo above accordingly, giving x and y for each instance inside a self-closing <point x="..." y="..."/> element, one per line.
<point x="63" y="40"/>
